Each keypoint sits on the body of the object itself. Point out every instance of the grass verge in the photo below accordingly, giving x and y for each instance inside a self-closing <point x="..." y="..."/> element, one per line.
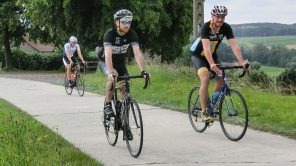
<point x="24" y="141"/>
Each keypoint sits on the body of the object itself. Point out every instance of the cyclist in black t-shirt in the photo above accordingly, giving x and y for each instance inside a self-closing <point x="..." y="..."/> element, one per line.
<point x="204" y="54"/>
<point x="112" y="59"/>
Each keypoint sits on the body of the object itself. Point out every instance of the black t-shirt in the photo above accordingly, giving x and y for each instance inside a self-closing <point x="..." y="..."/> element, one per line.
<point x="215" y="38"/>
<point x="119" y="44"/>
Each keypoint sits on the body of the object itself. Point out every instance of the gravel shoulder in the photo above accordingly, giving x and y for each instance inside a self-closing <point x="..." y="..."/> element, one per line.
<point x="53" y="78"/>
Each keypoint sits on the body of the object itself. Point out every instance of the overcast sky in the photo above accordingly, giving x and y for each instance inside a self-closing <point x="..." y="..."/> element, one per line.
<point x="253" y="11"/>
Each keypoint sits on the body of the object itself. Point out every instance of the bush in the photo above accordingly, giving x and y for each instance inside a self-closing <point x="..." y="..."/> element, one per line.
<point x="256" y="65"/>
<point x="260" y="78"/>
<point x="40" y="61"/>
<point x="185" y="58"/>
<point x="37" y="61"/>
<point x="286" y="81"/>
<point x="291" y="65"/>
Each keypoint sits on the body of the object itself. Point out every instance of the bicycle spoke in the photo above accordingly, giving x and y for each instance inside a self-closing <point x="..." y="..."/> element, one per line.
<point x="194" y="111"/>
<point x="80" y="85"/>
<point x="234" y="116"/>
<point x="67" y="86"/>
<point x="134" y="124"/>
<point x="110" y="130"/>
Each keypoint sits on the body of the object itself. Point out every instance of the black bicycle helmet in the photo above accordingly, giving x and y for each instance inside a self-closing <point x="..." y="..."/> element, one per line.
<point x="123" y="13"/>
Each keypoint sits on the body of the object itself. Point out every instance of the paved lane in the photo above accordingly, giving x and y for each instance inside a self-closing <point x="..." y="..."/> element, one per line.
<point x="169" y="139"/>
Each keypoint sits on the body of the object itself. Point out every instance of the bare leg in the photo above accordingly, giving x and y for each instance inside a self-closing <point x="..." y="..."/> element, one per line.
<point x="203" y="91"/>
<point x="218" y="85"/>
<point x="68" y="71"/>
<point x="109" y="92"/>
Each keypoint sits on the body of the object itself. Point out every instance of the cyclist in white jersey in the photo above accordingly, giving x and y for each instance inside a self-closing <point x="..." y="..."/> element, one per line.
<point x="68" y="55"/>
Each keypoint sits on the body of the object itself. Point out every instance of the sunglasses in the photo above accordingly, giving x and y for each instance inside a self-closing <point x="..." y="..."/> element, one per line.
<point x="126" y="22"/>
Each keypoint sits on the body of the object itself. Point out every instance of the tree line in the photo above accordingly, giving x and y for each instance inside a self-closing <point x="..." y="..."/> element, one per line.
<point x="264" y="29"/>
<point x="279" y="56"/>
<point x="163" y="26"/>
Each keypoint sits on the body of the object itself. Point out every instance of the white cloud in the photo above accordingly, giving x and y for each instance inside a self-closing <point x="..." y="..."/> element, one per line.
<point x="251" y="11"/>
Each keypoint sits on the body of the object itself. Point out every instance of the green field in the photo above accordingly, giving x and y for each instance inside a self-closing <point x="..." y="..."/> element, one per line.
<point x="272" y="71"/>
<point x="268" y="41"/>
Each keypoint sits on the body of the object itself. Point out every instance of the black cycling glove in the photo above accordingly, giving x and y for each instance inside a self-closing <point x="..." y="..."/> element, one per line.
<point x="145" y="74"/>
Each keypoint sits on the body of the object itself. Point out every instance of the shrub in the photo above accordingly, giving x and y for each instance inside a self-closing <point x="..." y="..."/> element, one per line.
<point x="40" y="61"/>
<point x="256" y="65"/>
<point x="260" y="78"/>
<point x="286" y="81"/>
<point x="37" y="61"/>
<point x="291" y="65"/>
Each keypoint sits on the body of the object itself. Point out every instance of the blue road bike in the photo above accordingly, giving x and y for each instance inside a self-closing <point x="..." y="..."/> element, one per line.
<point x="230" y="106"/>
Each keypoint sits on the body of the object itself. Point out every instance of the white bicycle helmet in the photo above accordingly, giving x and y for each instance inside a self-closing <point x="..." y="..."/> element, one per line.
<point x="123" y="13"/>
<point x="73" y="40"/>
<point x="219" y="11"/>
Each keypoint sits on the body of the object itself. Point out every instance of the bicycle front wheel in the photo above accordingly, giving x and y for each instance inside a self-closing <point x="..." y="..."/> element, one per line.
<point x="68" y="88"/>
<point x="133" y="128"/>
<point x="80" y="85"/>
<point x="194" y="111"/>
<point x="233" y="115"/>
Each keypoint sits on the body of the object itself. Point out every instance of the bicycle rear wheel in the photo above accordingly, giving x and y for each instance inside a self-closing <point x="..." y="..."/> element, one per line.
<point x="80" y="85"/>
<point x="133" y="123"/>
<point x="233" y="115"/>
<point x="194" y="111"/>
<point x="67" y="86"/>
<point x="111" y="130"/>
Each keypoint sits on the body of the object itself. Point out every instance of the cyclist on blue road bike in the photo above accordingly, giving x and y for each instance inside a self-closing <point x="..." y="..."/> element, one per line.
<point x="112" y="59"/>
<point x="205" y="58"/>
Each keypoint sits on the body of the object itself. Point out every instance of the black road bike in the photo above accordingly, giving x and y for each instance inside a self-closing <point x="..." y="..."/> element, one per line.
<point x="127" y="118"/>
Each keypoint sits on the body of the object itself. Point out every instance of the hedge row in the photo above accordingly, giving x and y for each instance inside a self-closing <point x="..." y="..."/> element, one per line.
<point x="38" y="61"/>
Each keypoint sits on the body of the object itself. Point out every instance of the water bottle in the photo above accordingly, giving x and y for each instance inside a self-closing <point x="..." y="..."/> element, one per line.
<point x="215" y="97"/>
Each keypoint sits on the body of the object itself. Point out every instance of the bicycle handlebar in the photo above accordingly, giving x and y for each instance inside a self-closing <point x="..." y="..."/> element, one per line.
<point x="127" y="77"/>
<point x="223" y="67"/>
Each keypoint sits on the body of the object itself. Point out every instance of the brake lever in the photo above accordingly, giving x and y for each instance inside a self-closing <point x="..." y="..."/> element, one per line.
<point x="147" y="81"/>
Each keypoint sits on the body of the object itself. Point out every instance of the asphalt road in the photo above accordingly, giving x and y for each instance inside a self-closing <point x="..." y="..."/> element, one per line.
<point x="169" y="139"/>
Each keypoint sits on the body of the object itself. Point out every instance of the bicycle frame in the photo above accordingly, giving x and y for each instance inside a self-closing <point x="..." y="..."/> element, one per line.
<point x="212" y="109"/>
<point x="230" y="107"/>
<point x="126" y="98"/>
<point x="128" y="118"/>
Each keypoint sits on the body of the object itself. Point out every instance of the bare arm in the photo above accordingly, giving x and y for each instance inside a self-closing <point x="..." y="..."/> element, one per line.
<point x="207" y="51"/>
<point x="139" y="57"/>
<point x="108" y="59"/>
<point x="236" y="50"/>
<point x="80" y="56"/>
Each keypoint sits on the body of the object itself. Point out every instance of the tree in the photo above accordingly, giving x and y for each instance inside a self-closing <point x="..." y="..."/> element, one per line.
<point x="12" y="28"/>
<point x="163" y="26"/>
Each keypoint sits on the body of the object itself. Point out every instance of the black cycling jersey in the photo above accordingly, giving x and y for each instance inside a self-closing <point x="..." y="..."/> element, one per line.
<point x="119" y="44"/>
<point x="215" y="38"/>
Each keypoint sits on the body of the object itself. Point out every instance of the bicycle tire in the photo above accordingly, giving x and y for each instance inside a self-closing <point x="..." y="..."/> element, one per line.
<point x="133" y="122"/>
<point x="111" y="130"/>
<point x="194" y="105"/>
<point x="233" y="115"/>
<point x="67" y="87"/>
<point x="80" y="85"/>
